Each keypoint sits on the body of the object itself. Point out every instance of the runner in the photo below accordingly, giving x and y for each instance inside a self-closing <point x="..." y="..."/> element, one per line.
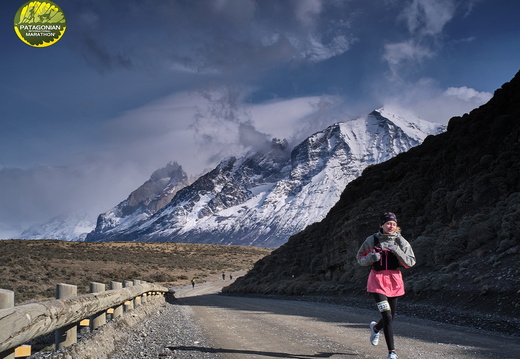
<point x="386" y="251"/>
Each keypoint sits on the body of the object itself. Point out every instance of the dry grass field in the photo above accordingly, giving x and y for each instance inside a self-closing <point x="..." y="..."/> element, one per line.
<point x="33" y="268"/>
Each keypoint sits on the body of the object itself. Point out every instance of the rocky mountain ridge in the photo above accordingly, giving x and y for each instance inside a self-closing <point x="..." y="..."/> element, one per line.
<point x="264" y="197"/>
<point x="146" y="200"/>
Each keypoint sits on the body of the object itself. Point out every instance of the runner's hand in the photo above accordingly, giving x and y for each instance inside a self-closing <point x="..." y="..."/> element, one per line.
<point x="374" y="256"/>
<point x="392" y="247"/>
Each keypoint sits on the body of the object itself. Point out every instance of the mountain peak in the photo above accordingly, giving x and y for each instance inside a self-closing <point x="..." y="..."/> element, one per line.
<point x="171" y="170"/>
<point x="410" y="123"/>
<point x="280" y="143"/>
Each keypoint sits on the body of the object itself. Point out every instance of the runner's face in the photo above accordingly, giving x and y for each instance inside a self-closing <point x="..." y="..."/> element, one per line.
<point x="389" y="227"/>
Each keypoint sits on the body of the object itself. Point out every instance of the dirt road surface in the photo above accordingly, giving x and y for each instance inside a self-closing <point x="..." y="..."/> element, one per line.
<point x="257" y="328"/>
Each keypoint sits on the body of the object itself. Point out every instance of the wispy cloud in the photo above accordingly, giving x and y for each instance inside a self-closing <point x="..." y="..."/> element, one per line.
<point x="428" y="101"/>
<point x="424" y="21"/>
<point x="428" y="18"/>
<point x="406" y="52"/>
<point x="209" y="125"/>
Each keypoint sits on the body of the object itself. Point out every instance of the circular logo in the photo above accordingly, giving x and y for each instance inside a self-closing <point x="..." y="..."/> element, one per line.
<point x="40" y="23"/>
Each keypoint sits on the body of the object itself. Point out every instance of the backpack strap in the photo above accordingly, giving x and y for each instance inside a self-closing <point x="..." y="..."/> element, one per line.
<point x="376" y="241"/>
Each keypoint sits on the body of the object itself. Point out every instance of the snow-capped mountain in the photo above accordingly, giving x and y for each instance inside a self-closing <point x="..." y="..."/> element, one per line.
<point x="140" y="204"/>
<point x="149" y="198"/>
<point x="67" y="227"/>
<point x="263" y="198"/>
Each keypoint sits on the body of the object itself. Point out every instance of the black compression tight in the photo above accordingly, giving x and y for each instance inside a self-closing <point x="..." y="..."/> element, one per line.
<point x="386" y="322"/>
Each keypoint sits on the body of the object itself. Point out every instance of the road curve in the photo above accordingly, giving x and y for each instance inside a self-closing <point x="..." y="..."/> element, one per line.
<point x="245" y="328"/>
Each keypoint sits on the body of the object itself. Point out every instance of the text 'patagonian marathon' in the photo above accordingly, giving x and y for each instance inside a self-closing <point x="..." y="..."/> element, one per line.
<point x="40" y="27"/>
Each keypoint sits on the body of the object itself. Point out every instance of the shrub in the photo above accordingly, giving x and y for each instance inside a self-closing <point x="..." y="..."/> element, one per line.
<point x="441" y="280"/>
<point x="420" y="285"/>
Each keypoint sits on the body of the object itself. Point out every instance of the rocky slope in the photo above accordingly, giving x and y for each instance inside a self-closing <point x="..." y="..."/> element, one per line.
<point x="457" y="197"/>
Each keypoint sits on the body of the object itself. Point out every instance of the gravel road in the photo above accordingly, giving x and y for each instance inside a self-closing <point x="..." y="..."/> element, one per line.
<point x="203" y="324"/>
<point x="200" y="323"/>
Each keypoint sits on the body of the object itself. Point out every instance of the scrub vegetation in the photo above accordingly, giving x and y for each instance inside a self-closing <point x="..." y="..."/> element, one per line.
<point x="32" y="268"/>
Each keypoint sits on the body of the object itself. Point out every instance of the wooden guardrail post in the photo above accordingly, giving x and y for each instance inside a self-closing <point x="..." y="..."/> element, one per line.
<point x="67" y="335"/>
<point x="118" y="310"/>
<point x="129" y="304"/>
<point x="7" y="301"/>
<point x="99" y="319"/>
<point x="137" y="300"/>
<point x="6" y="298"/>
<point x="145" y="296"/>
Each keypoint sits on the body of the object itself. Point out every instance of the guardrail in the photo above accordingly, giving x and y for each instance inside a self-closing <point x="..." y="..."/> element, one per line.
<point x="21" y="324"/>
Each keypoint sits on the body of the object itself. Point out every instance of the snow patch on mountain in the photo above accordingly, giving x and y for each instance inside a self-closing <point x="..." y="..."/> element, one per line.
<point x="67" y="227"/>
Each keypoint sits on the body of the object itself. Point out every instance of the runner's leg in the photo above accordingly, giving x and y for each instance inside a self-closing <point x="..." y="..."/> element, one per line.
<point x="387" y="307"/>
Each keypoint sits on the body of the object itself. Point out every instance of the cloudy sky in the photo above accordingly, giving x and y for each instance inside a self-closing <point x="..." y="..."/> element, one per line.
<point x="135" y="84"/>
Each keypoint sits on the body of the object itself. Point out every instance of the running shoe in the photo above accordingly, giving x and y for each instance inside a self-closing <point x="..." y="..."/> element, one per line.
<point x="374" y="336"/>
<point x="392" y="355"/>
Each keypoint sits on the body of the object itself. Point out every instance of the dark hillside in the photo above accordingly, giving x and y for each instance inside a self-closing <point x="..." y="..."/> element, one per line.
<point x="457" y="198"/>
